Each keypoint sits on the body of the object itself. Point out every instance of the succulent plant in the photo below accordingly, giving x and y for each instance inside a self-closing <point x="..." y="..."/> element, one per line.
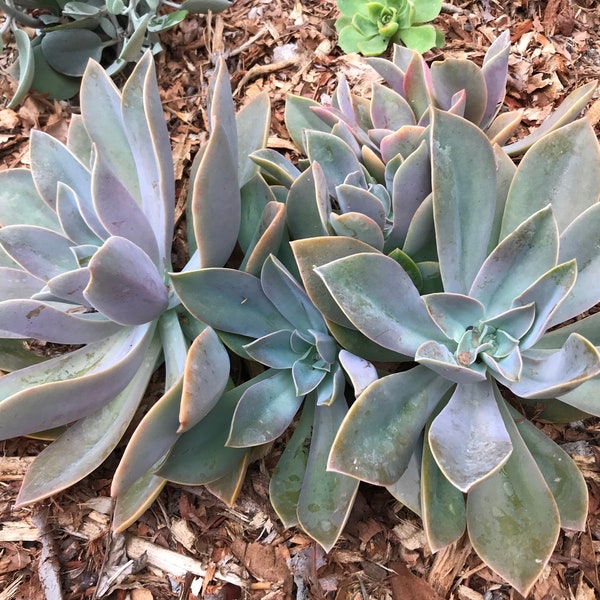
<point x="369" y="27"/>
<point x="114" y="33"/>
<point x="506" y="277"/>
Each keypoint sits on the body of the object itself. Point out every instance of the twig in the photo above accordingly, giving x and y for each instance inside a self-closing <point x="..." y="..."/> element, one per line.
<point x="258" y="70"/>
<point x="49" y="567"/>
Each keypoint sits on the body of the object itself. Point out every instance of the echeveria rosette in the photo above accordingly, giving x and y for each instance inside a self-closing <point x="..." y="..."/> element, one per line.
<point x="272" y="321"/>
<point x="483" y="332"/>
<point x="369" y="27"/>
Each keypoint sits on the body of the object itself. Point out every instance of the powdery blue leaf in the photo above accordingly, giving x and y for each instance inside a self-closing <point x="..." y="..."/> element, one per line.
<point x="418" y="85"/>
<point x="124" y="284"/>
<point x="252" y="123"/>
<point x="584" y="397"/>
<point x="512" y="518"/>
<point x="375" y="310"/>
<point x="273" y="350"/>
<point x="71" y="221"/>
<point x="355" y="199"/>
<point x="454" y="313"/>
<point x="408" y="488"/>
<point x="464" y="198"/>
<point x="26" y="67"/>
<point x="517" y="262"/>
<point x="16" y="284"/>
<point x="299" y="117"/>
<point x="94" y="437"/>
<point x="389" y="110"/>
<point x="556" y="373"/>
<point x="306" y="376"/>
<point x="515" y="322"/>
<point x="264" y="411"/>
<point x="360" y="371"/>
<point x="52" y="323"/>
<point x="495" y="72"/>
<point x="229" y="300"/>
<point x="326" y="498"/>
<point x="332" y="386"/>
<point x="441" y="360"/>
<point x="359" y="226"/>
<point x="64" y="389"/>
<point x="509" y="367"/>
<point x="132" y="504"/>
<point x="42" y="252"/>
<point x="379" y="434"/>
<point x="69" y="286"/>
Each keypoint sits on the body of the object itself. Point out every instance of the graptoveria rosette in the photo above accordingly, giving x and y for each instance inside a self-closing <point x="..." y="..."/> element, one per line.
<point x="369" y="27"/>
<point x="507" y="276"/>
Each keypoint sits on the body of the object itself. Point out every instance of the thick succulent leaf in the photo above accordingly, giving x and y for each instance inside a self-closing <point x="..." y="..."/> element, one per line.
<point x="150" y="442"/>
<point x="562" y="170"/>
<point x="453" y="75"/>
<point x="20" y="202"/>
<point x="389" y="110"/>
<point x="71" y="221"/>
<point x="569" y="109"/>
<point x="402" y="142"/>
<point x="42" y="252"/>
<point x="392" y="73"/>
<point x="276" y="167"/>
<point x="326" y="498"/>
<point x="204" y="380"/>
<point x="307" y="376"/>
<point x="147" y="133"/>
<point x="417" y="85"/>
<point x="124" y="284"/>
<point x="229" y="300"/>
<point x="379" y="434"/>
<point x="69" y="50"/>
<point x="273" y="350"/>
<point x="505" y="172"/>
<point x="174" y="339"/>
<point x="454" y="313"/>
<point x="89" y="441"/>
<point x="441" y="360"/>
<point x="420" y="242"/>
<point x="252" y="122"/>
<point x="468" y="438"/>
<point x="69" y="286"/>
<point x="584" y="398"/>
<point x="26" y="67"/>
<point x="517" y="321"/>
<point x="300" y="117"/>
<point x="464" y="197"/>
<point x="131" y="505"/>
<point x="287" y="477"/>
<point x="16" y="284"/>
<point x="588" y="326"/>
<point x="580" y="241"/>
<point x="318" y="251"/>
<point x="64" y="389"/>
<point x="512" y="519"/>
<point x="442" y="504"/>
<point x="504" y="126"/>
<point x="228" y="487"/>
<point x="358" y="226"/>
<point x="52" y="323"/>
<point x="101" y="104"/>
<point x="216" y="204"/>
<point x="355" y="282"/>
<point x="221" y="109"/>
<point x="264" y="411"/>
<point x="558" y="372"/>
<point x="355" y="199"/>
<point x="360" y="371"/>
<point x="517" y="262"/>
<point x="559" y="471"/>
<point x="118" y="210"/>
<point x="495" y="72"/>
<point x="408" y="488"/>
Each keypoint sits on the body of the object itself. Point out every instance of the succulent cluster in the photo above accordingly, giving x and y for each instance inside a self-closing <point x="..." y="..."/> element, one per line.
<point x="114" y="33"/>
<point x="393" y="301"/>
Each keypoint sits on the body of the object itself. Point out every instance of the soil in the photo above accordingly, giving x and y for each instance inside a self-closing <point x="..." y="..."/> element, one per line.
<point x="190" y="545"/>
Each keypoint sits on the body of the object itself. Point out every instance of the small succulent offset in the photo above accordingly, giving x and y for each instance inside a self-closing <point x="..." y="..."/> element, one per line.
<point x="369" y="27"/>
<point x="114" y="33"/>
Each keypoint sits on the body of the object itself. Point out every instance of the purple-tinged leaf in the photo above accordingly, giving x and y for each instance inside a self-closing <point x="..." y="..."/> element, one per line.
<point x="69" y="286"/>
<point x="71" y="221"/>
<point x="468" y="438"/>
<point x="78" y="140"/>
<point x="389" y="110"/>
<point x="43" y="321"/>
<point x="418" y="85"/>
<point x="375" y="309"/>
<point x="403" y="142"/>
<point x="42" y="252"/>
<point x="124" y="284"/>
<point x="504" y="126"/>
<point x="16" y="284"/>
<point x="392" y="73"/>
<point x="495" y="73"/>
<point x="517" y="262"/>
<point x="378" y="436"/>
<point x="440" y="360"/>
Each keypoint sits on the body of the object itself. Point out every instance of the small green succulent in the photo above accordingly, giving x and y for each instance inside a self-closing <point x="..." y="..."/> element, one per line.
<point x="369" y="27"/>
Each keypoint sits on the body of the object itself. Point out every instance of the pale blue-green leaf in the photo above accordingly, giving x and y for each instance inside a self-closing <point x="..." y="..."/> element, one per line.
<point x="20" y="202"/>
<point x="420" y="242"/>
<point x="438" y="358"/>
<point x="228" y="487"/>
<point x="454" y="313"/>
<point x="392" y="73"/>
<point x="325" y="345"/>
<point x="16" y="284"/>
<point x="512" y="518"/>
<point x="221" y="108"/>
<point x="454" y="75"/>
<point x="379" y="434"/>
<point x="389" y="110"/>
<point x="418" y="85"/>
<point x="588" y="326"/>
<point x="164" y="22"/>
<point x="442" y="504"/>
<point x="375" y="309"/>
<point x="557" y="372"/>
<point x="505" y="172"/>
<point x="146" y="130"/>
<point x="69" y="286"/>
<point x="273" y="350"/>
<point x="509" y="367"/>
<point x="264" y="411"/>
<point x="64" y="389"/>
<point x="300" y="117"/>
<point x="495" y="72"/>
<point x="468" y="438"/>
<point x="360" y="371"/>
<point x="559" y="471"/>
<point x="252" y="122"/>
<point x="133" y="45"/>
<point x="78" y="140"/>
<point x="68" y="51"/>
<point x="584" y="397"/>
<point x="204" y="380"/>
<point x="517" y="262"/>
<point x="516" y="322"/>
<point x="15" y="354"/>
<point x="26" y="67"/>
<point x="42" y="252"/>
<point x="124" y="284"/>
<point x="89" y="441"/>
<point x="547" y="293"/>
<point x="52" y="323"/>
<point x="580" y="240"/>
<point x="326" y="498"/>
<point x="332" y="387"/>
<point x="287" y="477"/>
<point x="402" y="142"/>
<point x="306" y="376"/>
<point x="71" y="221"/>
<point x="355" y="199"/>
<point x="464" y="197"/>
<point x="561" y="170"/>
<point x="254" y="196"/>
<point x="175" y="341"/>
<point x="569" y="109"/>
<point x="203" y="6"/>
<point x="117" y="209"/>
<point x="503" y="127"/>
<point x="229" y="300"/>
<point x="359" y="226"/>
<point x="408" y="488"/>
<point x="276" y="168"/>
<point x="101" y="104"/>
